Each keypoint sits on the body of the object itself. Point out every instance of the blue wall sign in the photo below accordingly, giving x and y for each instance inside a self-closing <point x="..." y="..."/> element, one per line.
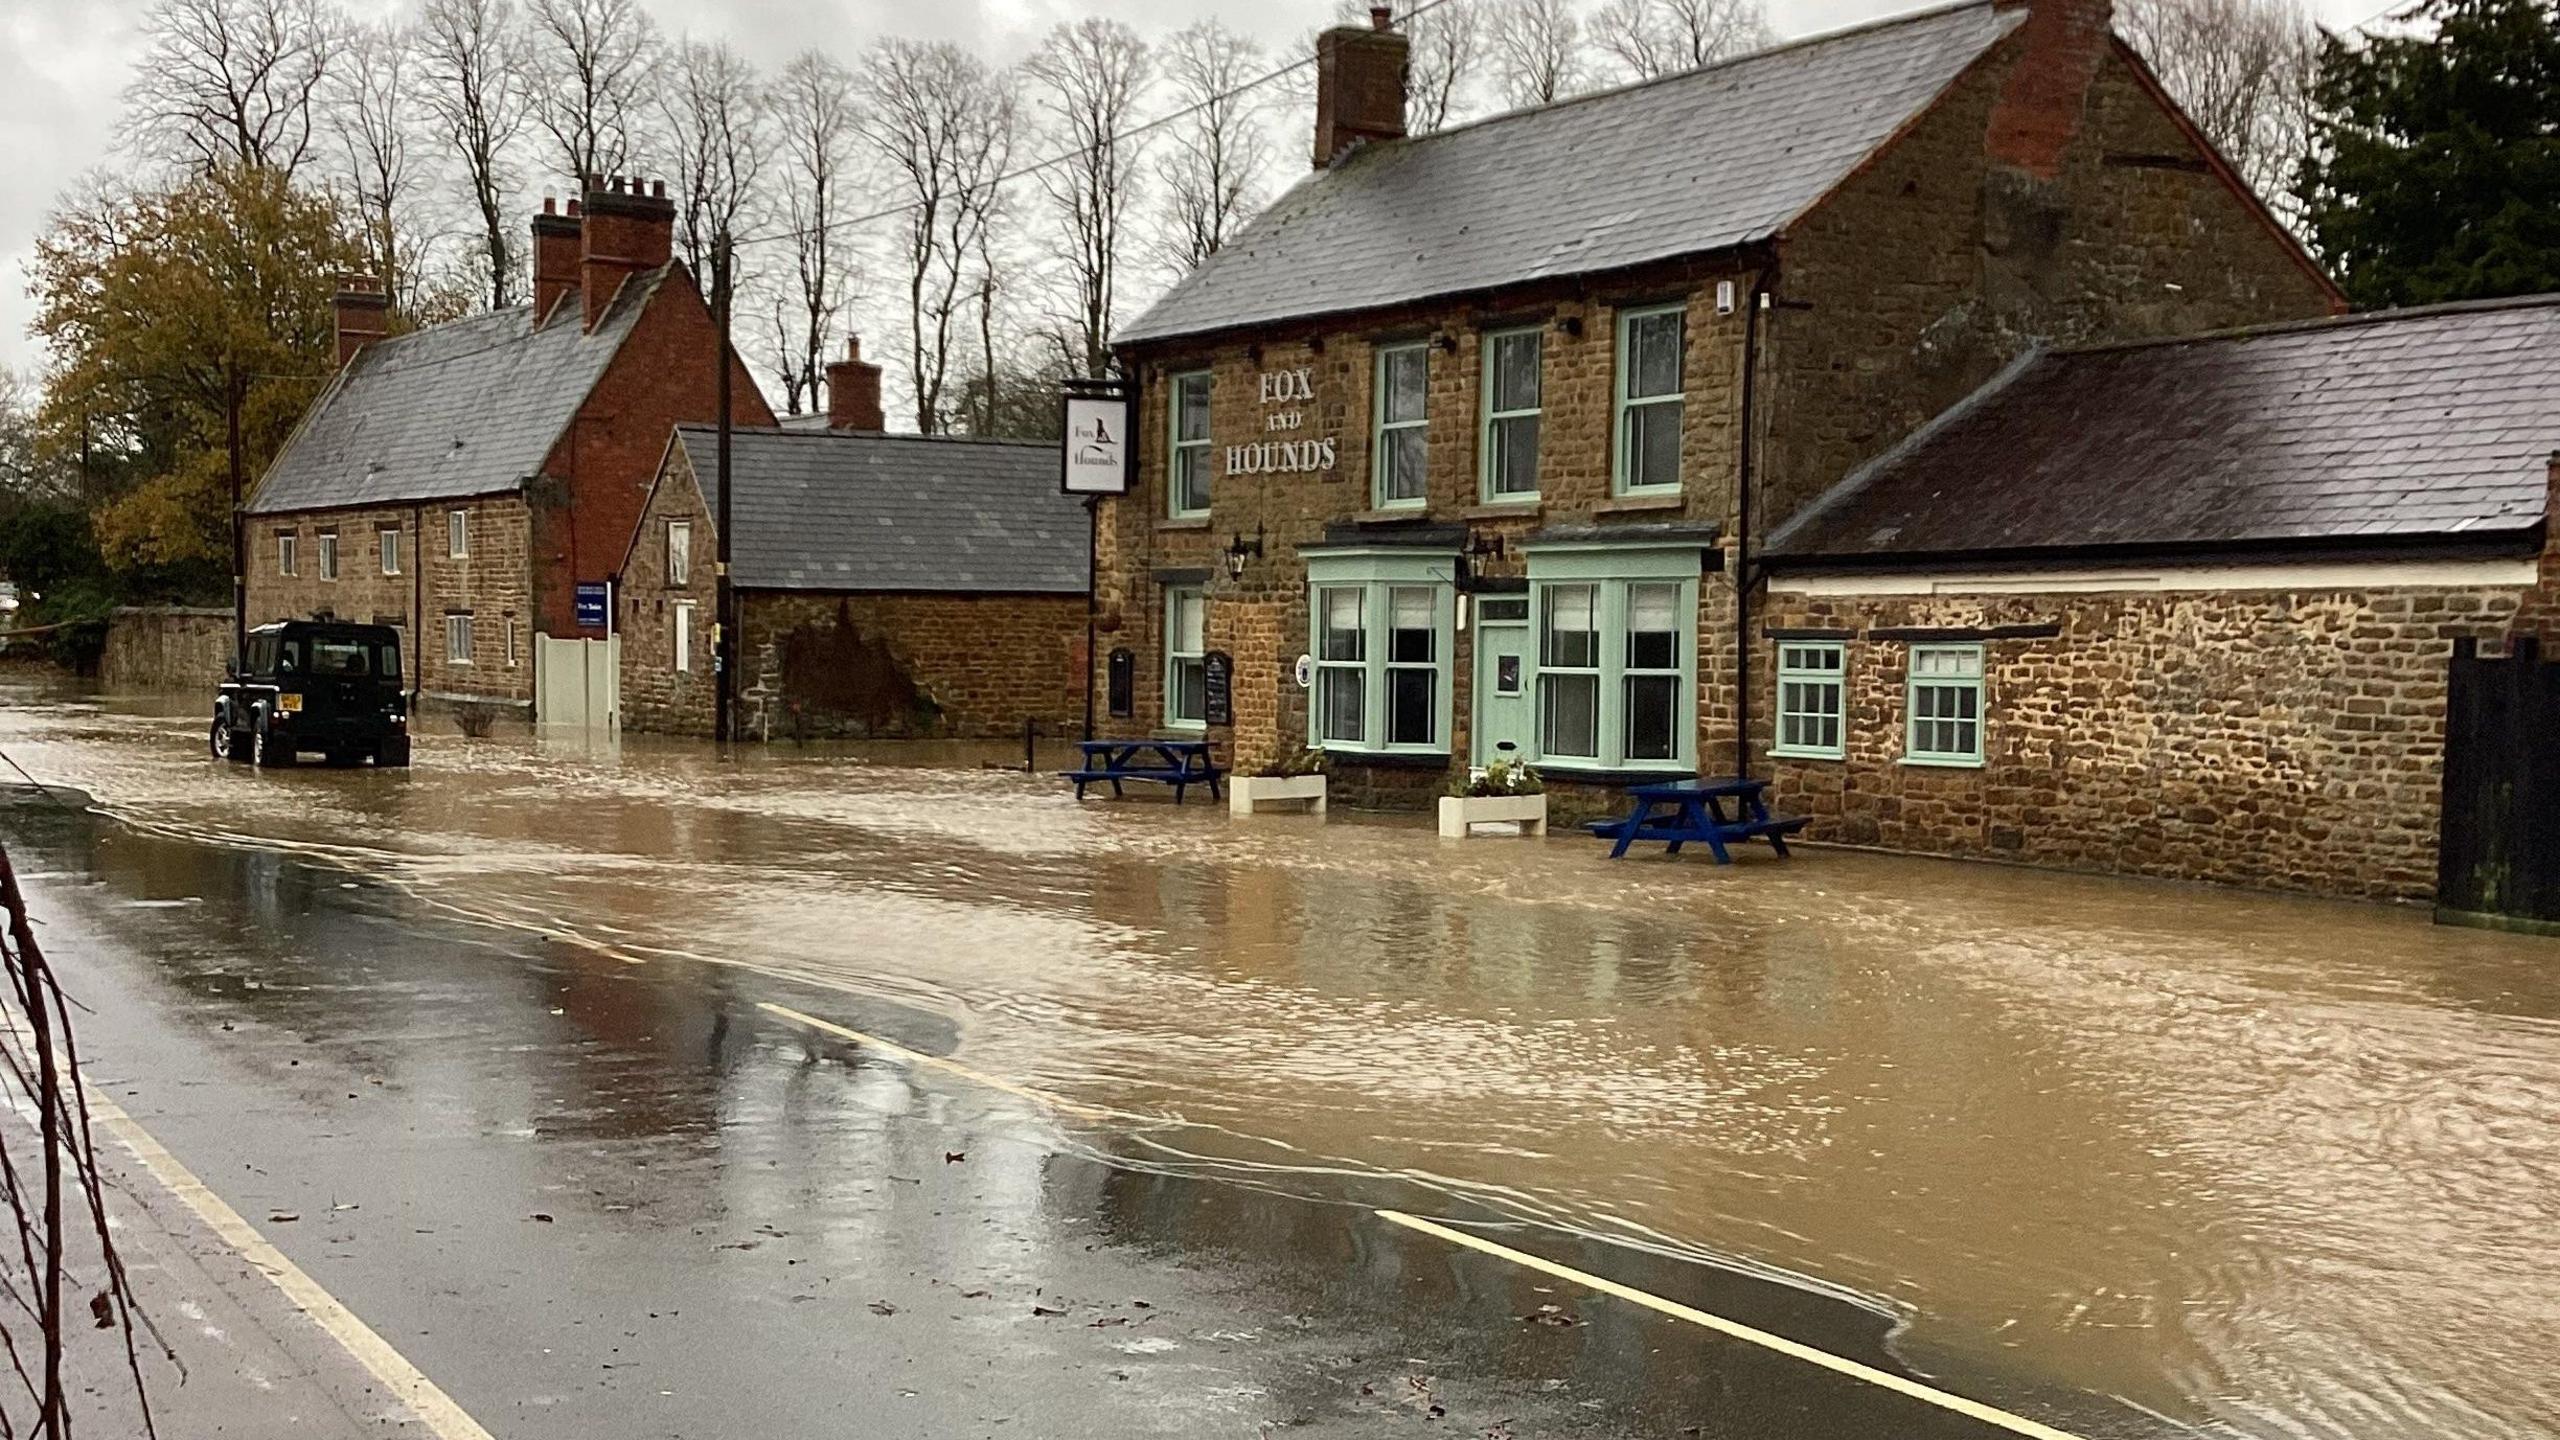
<point x="592" y="598"/>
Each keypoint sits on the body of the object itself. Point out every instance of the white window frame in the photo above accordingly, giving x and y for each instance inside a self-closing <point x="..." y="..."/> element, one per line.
<point x="457" y="534"/>
<point x="1551" y="670"/>
<point x="682" y="610"/>
<point x="1377" y="575"/>
<point x="1684" y="636"/>
<point x="288" y="552"/>
<point x="1191" y="458"/>
<point x="328" y="548"/>
<point x="1490" y="448"/>
<point x="1380" y="427"/>
<point x="1617" y="571"/>
<point x="1177" y="660"/>
<point x="1333" y="670"/>
<point x="457" y="637"/>
<point x="1946" y="673"/>
<point x="1627" y="406"/>
<point x="388" y="542"/>
<point x="1813" y="690"/>
<point x="679" y="537"/>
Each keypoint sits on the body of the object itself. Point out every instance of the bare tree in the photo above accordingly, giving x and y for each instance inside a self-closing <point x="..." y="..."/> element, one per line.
<point x="1087" y="78"/>
<point x="1536" y="49"/>
<point x="943" y="126"/>
<point x="472" y="84"/>
<point x="369" y="103"/>
<point x="1650" y="38"/>
<point x="814" y="133"/>
<point x="587" y="69"/>
<point x="1216" y="154"/>
<point x="711" y="110"/>
<point x="2243" y="71"/>
<point x="231" y="82"/>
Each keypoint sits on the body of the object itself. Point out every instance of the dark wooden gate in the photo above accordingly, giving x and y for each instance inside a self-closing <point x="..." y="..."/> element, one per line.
<point x="2498" y="861"/>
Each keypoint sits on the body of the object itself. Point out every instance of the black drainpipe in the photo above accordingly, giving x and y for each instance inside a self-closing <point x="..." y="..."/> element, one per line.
<point x="1760" y="287"/>
<point x="417" y="604"/>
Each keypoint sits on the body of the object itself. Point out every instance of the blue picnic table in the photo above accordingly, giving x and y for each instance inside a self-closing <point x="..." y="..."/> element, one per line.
<point x="1178" y="763"/>
<point x="1679" y="811"/>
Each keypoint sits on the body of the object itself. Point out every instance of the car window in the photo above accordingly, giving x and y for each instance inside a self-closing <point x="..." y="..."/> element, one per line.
<point x="387" y="664"/>
<point x="341" y="657"/>
<point x="290" y="661"/>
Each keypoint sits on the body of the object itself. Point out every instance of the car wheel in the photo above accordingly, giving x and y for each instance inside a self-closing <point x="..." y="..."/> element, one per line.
<point x="220" y="739"/>
<point x="394" y="754"/>
<point x="265" y="753"/>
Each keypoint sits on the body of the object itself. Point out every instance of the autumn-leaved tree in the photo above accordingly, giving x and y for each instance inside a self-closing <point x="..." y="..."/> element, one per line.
<point x="2435" y="174"/>
<point x="166" y="312"/>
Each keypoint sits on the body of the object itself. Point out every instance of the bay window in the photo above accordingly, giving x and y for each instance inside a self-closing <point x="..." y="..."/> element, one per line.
<point x="1616" y="655"/>
<point x="1384" y="626"/>
<point x="1342" y="666"/>
<point x="1569" y="673"/>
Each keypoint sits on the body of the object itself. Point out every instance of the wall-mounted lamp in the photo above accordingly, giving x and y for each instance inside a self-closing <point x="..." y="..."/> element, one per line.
<point x="1239" y="549"/>
<point x="1445" y="343"/>
<point x="1485" y="547"/>
<point x="1254" y="354"/>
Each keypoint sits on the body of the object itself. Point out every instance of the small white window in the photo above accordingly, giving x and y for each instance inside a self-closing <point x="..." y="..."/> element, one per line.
<point x="288" y="561"/>
<point x="1650" y="349"/>
<point x="1401" y="408"/>
<point x="457" y="639"/>
<point x="328" y="554"/>
<point x="1189" y="423"/>
<point x="682" y="610"/>
<point x="1186" y="679"/>
<point x="679" y="552"/>
<point x="390" y="551"/>
<point x="511" y="642"/>
<point x="1812" y="699"/>
<point x="457" y="534"/>
<point x="1945" y="703"/>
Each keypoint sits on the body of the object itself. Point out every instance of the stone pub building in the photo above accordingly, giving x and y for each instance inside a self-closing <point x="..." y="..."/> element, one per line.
<point x="1485" y="424"/>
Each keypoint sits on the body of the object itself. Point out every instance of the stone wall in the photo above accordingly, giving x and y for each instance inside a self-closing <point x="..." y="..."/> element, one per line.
<point x="2287" y="738"/>
<point x="492" y="583"/>
<point x="166" y="647"/>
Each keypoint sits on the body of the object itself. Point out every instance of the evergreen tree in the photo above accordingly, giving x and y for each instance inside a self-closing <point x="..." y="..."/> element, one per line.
<point x="2435" y="174"/>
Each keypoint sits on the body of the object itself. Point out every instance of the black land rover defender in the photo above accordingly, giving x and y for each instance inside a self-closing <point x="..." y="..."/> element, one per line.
<point x="306" y="686"/>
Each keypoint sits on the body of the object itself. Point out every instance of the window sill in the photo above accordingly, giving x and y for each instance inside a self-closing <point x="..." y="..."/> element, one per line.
<point x="1641" y="502"/>
<point x="1183" y="522"/>
<point x="1523" y="507"/>
<point x="1390" y="759"/>
<point x="1576" y="774"/>
<point x="1393" y="514"/>
<point x="1931" y="762"/>
<point x="1832" y="755"/>
<point x="1186" y="727"/>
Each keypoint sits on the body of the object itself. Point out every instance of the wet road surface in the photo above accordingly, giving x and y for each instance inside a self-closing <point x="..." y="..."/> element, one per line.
<point x="2268" y="1167"/>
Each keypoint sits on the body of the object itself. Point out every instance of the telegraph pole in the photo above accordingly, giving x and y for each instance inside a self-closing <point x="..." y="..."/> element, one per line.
<point x="724" y="624"/>
<point x="239" y="522"/>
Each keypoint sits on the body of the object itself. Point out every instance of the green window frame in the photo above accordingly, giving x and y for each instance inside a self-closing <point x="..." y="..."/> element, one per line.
<point x="1513" y="386"/>
<point x="1399" y="443"/>
<point x="1186" y="653"/>
<point x="1616" y="655"/>
<point x="1652" y="349"/>
<point x="1187" y="445"/>
<point x="1942" y="705"/>
<point x="1813" y="698"/>
<point x="1383" y="631"/>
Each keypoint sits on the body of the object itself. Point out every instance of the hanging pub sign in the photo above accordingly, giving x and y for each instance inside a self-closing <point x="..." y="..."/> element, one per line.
<point x="1218" y="688"/>
<point x="1098" y="458"/>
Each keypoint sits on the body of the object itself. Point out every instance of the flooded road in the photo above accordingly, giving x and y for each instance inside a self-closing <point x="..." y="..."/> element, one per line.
<point x="2267" y="1166"/>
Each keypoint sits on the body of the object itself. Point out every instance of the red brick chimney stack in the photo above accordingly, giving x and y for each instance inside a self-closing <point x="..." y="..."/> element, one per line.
<point x="362" y="314"/>
<point x="853" y="392"/>
<point x="1360" y="85"/>
<point x="2040" y="106"/>
<point x="557" y="248"/>
<point x="628" y="230"/>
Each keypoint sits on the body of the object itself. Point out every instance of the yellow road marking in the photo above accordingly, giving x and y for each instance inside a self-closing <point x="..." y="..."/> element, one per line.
<point x="1970" y="1409"/>
<point x="952" y="1067"/>
<point x="434" y="1409"/>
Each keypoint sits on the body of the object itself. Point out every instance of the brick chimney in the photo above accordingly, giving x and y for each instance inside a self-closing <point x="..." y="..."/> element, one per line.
<point x="2041" y="102"/>
<point x="1360" y="79"/>
<point x="853" y="391"/>
<point x="627" y="232"/>
<point x="557" y="248"/>
<point x="362" y="314"/>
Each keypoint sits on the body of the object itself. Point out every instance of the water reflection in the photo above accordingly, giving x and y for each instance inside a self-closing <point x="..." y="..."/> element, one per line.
<point x="2272" y="1162"/>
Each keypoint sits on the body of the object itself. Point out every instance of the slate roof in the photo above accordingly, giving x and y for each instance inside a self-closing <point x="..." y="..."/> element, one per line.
<point x="1691" y="163"/>
<point x="2392" y="428"/>
<point x="466" y="408"/>
<point x="832" y="510"/>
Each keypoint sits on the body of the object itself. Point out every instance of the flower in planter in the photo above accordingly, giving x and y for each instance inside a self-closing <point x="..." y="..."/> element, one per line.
<point x="1305" y="762"/>
<point x="1507" y="776"/>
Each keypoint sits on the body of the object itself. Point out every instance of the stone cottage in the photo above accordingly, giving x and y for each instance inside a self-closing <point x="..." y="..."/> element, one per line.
<point x="462" y="481"/>
<point x="887" y="585"/>
<point x="1464" y="442"/>
<point x="2176" y="608"/>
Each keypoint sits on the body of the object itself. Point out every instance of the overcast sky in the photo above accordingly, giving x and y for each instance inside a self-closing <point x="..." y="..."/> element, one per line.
<point x="64" y="65"/>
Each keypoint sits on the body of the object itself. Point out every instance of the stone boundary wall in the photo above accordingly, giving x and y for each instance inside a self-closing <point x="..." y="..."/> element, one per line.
<point x="2287" y="739"/>
<point x="166" y="647"/>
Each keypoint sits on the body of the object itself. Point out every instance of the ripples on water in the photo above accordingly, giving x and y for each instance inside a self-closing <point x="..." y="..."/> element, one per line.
<point x="2288" y="1166"/>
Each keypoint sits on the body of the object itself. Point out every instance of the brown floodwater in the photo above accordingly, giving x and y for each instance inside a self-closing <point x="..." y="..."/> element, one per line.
<point x="2277" y="1167"/>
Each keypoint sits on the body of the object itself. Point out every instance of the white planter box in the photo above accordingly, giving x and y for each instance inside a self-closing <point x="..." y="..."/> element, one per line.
<point x="1248" y="793"/>
<point x="1460" y="813"/>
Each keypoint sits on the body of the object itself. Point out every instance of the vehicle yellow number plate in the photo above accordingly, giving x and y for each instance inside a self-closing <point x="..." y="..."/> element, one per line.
<point x="289" y="703"/>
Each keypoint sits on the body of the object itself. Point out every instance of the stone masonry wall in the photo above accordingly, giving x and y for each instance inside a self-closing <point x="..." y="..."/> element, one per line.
<point x="2286" y="739"/>
<point x="492" y="583"/>
<point x="166" y="647"/>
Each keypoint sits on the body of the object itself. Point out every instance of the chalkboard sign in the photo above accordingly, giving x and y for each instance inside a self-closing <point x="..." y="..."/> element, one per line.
<point x="1218" y="678"/>
<point x="1123" y="684"/>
